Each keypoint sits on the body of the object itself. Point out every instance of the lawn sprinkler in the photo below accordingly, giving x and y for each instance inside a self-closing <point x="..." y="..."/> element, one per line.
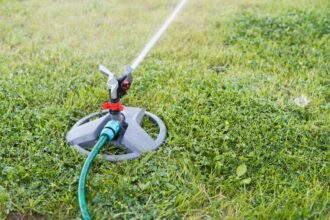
<point x="131" y="138"/>
<point x="117" y="125"/>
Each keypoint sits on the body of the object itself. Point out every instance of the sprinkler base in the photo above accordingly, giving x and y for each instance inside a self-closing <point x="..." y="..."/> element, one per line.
<point x="134" y="140"/>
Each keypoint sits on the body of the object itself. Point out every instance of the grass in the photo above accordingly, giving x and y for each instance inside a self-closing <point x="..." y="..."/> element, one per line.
<point x="223" y="79"/>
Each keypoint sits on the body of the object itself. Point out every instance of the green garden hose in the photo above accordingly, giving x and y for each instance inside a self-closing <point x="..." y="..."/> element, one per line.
<point x="107" y="134"/>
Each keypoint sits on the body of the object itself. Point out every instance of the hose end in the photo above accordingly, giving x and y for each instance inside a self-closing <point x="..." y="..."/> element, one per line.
<point x="110" y="129"/>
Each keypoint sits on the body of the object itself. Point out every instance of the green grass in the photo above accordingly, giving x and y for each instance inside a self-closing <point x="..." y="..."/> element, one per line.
<point x="223" y="79"/>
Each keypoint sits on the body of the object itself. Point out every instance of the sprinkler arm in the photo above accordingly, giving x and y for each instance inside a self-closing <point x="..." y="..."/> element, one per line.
<point x="105" y="71"/>
<point x="113" y="87"/>
<point x="118" y="87"/>
<point x="112" y="82"/>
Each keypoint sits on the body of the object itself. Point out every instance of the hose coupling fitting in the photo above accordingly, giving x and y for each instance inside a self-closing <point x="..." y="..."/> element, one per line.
<point x="110" y="129"/>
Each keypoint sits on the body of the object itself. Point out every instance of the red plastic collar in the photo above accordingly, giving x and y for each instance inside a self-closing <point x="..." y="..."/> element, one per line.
<point x="113" y="106"/>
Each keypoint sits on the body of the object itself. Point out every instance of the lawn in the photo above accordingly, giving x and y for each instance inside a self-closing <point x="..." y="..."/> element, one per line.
<point x="225" y="79"/>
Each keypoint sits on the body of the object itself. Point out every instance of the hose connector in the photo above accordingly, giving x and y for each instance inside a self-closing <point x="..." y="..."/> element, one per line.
<point x="110" y="129"/>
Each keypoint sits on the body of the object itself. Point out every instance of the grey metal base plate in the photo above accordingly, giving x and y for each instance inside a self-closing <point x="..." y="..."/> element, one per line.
<point x="135" y="140"/>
